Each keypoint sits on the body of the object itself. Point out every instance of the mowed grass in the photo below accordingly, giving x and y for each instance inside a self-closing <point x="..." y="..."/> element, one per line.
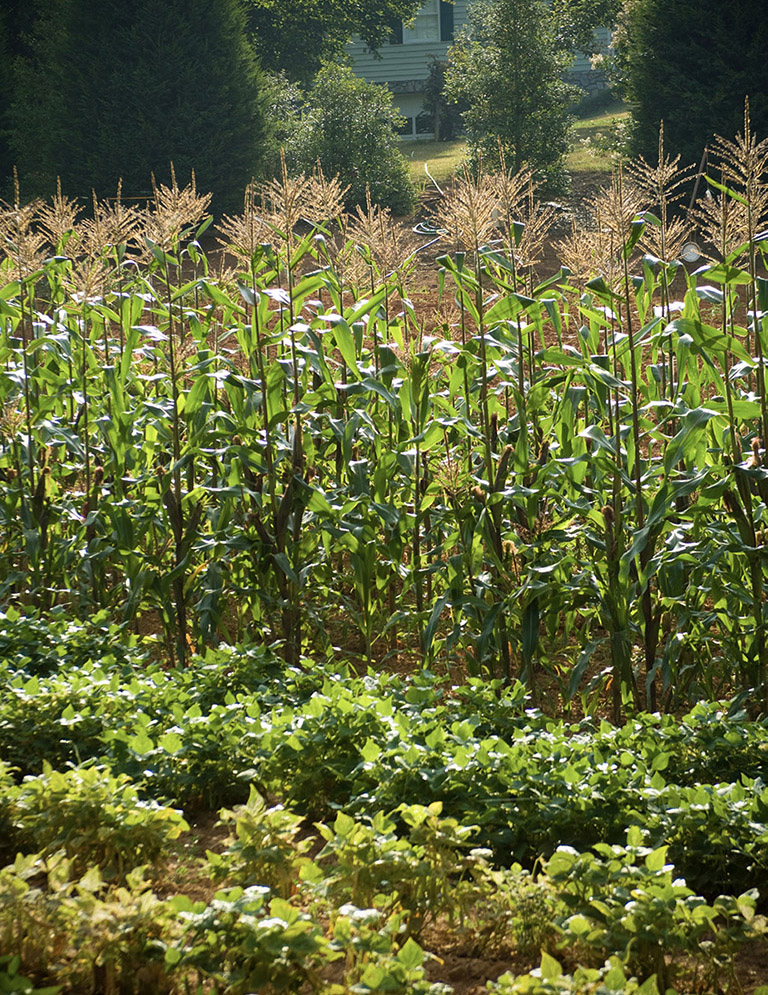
<point x="588" y="153"/>
<point x="590" y="137"/>
<point x="442" y="159"/>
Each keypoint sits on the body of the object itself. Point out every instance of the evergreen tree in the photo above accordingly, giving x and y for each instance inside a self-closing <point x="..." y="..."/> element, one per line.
<point x="110" y="93"/>
<point x="692" y="65"/>
<point x="508" y="67"/>
<point x="6" y="163"/>
<point x="16" y="21"/>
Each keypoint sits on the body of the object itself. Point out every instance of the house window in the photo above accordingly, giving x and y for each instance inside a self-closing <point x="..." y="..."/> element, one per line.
<point x="426" y="24"/>
<point x="433" y="22"/>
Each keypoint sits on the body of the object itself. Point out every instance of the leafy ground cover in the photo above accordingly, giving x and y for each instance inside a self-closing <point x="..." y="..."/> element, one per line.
<point x="374" y="829"/>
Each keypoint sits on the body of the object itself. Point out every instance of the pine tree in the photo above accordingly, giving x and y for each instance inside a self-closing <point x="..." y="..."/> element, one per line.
<point x="6" y="163"/>
<point x="114" y="91"/>
<point x="16" y="21"/>
<point x="691" y="64"/>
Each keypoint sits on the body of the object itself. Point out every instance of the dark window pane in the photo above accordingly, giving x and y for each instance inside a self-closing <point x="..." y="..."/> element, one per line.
<point x="446" y="20"/>
<point x="425" y="124"/>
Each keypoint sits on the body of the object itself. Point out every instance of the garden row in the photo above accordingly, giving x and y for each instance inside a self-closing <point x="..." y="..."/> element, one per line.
<point x="564" y="481"/>
<point x="405" y="816"/>
<point x="527" y="782"/>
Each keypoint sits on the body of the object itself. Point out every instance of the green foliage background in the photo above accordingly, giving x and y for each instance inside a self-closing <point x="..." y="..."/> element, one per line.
<point x="508" y="68"/>
<point x="104" y="97"/>
<point x="692" y="65"/>
<point x="295" y="36"/>
<point x="5" y="89"/>
<point x="348" y="126"/>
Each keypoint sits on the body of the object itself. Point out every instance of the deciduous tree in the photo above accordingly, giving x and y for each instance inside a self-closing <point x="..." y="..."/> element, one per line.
<point x="577" y="20"/>
<point x="508" y="66"/>
<point x="348" y="126"/>
<point x="296" y="36"/>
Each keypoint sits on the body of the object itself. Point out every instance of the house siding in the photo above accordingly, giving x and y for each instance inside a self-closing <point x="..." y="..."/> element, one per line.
<point x="583" y="73"/>
<point x="400" y="65"/>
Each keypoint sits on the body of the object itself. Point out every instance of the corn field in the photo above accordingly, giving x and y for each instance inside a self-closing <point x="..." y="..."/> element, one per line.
<point x="562" y="480"/>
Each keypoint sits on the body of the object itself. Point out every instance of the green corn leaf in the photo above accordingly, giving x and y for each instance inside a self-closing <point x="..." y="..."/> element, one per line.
<point x="727" y="274"/>
<point x="727" y="191"/>
<point x="600" y="287"/>
<point x="345" y="341"/>
<point x="285" y="565"/>
<point x="686" y="440"/>
<point x="530" y="633"/>
<point x="636" y="233"/>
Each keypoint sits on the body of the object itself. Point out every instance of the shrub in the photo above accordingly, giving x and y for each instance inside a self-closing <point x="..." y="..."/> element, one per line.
<point x="349" y="127"/>
<point x="41" y="646"/>
<point x="80" y="934"/>
<point x="94" y="817"/>
<point x="266" y="848"/>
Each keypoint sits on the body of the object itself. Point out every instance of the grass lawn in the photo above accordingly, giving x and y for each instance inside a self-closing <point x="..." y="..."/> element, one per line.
<point x="444" y="159"/>
<point x="585" y="155"/>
